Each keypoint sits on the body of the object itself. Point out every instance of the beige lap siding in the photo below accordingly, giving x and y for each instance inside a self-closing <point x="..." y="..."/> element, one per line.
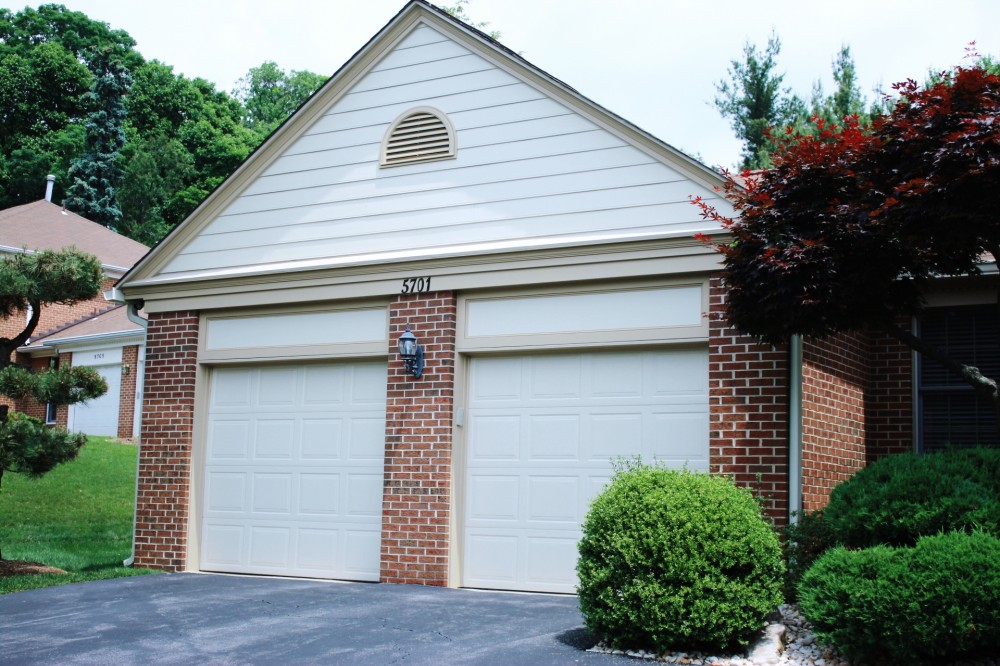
<point x="418" y="450"/>
<point x="748" y="409"/>
<point x="163" y="507"/>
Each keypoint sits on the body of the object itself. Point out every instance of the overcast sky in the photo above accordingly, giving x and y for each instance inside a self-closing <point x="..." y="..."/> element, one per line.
<point x="654" y="62"/>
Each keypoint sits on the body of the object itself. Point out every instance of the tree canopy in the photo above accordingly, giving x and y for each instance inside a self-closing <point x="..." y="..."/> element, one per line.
<point x="852" y="222"/>
<point x="145" y="145"/>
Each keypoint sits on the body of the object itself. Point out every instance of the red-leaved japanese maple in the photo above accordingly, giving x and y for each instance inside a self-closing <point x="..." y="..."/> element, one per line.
<point x="849" y="226"/>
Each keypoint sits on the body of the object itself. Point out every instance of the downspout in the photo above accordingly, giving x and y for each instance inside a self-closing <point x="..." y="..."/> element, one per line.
<point x="132" y="312"/>
<point x="795" y="430"/>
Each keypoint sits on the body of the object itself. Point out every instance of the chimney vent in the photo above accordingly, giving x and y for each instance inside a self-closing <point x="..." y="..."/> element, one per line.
<point x="48" y="186"/>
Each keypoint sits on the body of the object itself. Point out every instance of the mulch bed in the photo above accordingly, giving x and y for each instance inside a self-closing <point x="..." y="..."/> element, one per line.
<point x="21" y="568"/>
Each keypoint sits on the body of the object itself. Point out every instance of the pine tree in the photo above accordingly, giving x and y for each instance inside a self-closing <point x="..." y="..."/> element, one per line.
<point x="96" y="175"/>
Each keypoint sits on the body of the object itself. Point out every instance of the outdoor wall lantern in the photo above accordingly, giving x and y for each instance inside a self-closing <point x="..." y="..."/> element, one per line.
<point x="411" y="353"/>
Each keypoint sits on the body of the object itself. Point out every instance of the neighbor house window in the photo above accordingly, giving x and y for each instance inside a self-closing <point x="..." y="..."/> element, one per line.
<point x="422" y="134"/>
<point x="951" y="414"/>
<point x="50" y="412"/>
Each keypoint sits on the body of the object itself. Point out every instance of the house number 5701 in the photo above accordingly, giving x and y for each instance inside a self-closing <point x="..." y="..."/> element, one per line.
<point x="416" y="285"/>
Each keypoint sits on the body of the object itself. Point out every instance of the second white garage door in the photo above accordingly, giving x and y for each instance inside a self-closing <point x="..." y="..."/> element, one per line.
<point x="293" y="470"/>
<point x="542" y="432"/>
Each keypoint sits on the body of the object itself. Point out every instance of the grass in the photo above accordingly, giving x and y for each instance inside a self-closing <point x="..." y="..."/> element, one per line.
<point x="78" y="517"/>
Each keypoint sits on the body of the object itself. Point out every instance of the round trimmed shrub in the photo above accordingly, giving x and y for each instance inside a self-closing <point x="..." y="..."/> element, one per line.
<point x="932" y="603"/>
<point x="903" y="497"/>
<point x="676" y="559"/>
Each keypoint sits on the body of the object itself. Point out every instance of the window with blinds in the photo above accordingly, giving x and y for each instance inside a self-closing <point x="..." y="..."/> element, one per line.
<point x="419" y="135"/>
<point x="951" y="414"/>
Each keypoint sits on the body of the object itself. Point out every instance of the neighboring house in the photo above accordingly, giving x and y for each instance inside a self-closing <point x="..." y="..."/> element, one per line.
<point x="542" y="251"/>
<point x="94" y="333"/>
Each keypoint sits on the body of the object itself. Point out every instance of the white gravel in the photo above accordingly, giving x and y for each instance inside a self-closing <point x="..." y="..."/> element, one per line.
<point x="799" y="648"/>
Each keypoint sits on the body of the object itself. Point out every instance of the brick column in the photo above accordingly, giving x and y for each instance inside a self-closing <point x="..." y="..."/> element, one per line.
<point x="416" y="495"/>
<point x="62" y="411"/>
<point x="126" y="402"/>
<point x="748" y="409"/>
<point x="165" y="452"/>
<point x="834" y="374"/>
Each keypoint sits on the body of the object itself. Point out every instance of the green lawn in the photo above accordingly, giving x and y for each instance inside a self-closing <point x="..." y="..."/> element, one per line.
<point x="77" y="517"/>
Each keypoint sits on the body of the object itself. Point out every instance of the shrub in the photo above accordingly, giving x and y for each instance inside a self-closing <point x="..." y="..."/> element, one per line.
<point x="934" y="602"/>
<point x="675" y="558"/>
<point x="901" y="498"/>
<point x="805" y="540"/>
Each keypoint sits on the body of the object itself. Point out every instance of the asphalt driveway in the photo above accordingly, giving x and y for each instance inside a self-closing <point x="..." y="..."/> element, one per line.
<point x="209" y="619"/>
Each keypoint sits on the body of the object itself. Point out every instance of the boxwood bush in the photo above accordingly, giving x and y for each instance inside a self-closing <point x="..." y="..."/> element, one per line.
<point x="903" y="497"/>
<point x="673" y="558"/>
<point x="931" y="603"/>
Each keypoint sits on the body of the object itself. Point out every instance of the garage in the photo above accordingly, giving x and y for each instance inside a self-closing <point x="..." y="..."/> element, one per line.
<point x="543" y="431"/>
<point x="293" y="470"/>
<point x="99" y="416"/>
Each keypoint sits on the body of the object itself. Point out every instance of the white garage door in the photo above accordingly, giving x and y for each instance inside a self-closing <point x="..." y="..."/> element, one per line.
<point x="293" y="470"/>
<point x="100" y="415"/>
<point x="542" y="432"/>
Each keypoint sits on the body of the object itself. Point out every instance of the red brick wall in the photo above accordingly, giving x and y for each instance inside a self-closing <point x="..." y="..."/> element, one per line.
<point x="417" y="487"/>
<point x="126" y="403"/>
<point x="57" y="314"/>
<point x="834" y="377"/>
<point x="165" y="451"/>
<point x="748" y="409"/>
<point x="62" y="411"/>
<point x="889" y="415"/>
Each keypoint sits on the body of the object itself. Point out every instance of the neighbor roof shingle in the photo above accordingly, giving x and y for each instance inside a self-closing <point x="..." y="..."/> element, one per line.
<point x="43" y="225"/>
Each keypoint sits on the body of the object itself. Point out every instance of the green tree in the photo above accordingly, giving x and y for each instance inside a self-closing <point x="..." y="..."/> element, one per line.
<point x="97" y="174"/>
<point x="29" y="282"/>
<point x="269" y="94"/>
<point x="157" y="170"/>
<point x="458" y="11"/>
<point x="754" y="101"/>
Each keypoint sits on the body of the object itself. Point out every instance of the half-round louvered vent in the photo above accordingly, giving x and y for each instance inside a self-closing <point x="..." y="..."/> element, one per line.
<point x="420" y="135"/>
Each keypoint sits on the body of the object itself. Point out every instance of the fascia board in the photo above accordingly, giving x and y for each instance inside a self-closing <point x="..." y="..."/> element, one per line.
<point x="117" y="338"/>
<point x="578" y="245"/>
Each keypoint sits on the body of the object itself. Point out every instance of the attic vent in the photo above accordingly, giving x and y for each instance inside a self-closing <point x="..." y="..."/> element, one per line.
<point x="419" y="135"/>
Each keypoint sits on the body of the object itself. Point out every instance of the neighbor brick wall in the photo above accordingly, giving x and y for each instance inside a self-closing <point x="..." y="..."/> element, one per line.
<point x="126" y="404"/>
<point x="166" y="438"/>
<point x="834" y="378"/>
<point x="62" y="411"/>
<point x="30" y="406"/>
<point x="889" y="418"/>
<point x="748" y="409"/>
<point x="55" y="315"/>
<point x="418" y="449"/>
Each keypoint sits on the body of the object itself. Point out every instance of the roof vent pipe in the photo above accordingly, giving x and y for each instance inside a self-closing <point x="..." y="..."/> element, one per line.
<point x="48" y="186"/>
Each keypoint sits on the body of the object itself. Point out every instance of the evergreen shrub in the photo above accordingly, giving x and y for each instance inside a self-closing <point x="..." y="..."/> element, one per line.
<point x="676" y="559"/>
<point x="903" y="497"/>
<point x="928" y="604"/>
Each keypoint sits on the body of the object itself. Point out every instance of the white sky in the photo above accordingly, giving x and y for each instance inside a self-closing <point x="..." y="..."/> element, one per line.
<point x="653" y="62"/>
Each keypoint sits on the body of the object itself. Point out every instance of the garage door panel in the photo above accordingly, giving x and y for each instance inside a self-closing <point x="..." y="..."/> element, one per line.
<point x="554" y="377"/>
<point x="553" y="498"/>
<point x="99" y="416"/>
<point x="319" y="495"/>
<point x="226" y="492"/>
<point x="272" y="495"/>
<point x="229" y="440"/>
<point x="293" y="476"/>
<point x="536" y="459"/>
<point x="553" y="436"/>
<point x="224" y="544"/>
<point x="367" y="440"/>
<point x="274" y="439"/>
<point x="364" y="495"/>
<point x="270" y="546"/>
<point x="494" y="497"/>
<point x="321" y="439"/>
